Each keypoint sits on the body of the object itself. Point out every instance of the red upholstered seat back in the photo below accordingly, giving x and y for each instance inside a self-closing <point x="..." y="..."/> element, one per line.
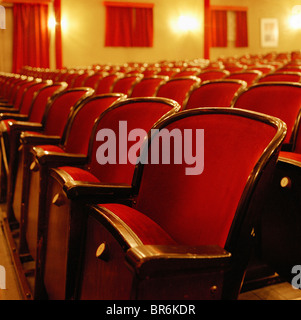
<point x="177" y="88"/>
<point x="218" y="93"/>
<point x="138" y="114"/>
<point x="281" y="100"/>
<point x="285" y="76"/>
<point x="59" y="110"/>
<point x="124" y="84"/>
<point x="10" y="89"/>
<point x="199" y="209"/>
<point x="41" y="99"/>
<point x="20" y="93"/>
<point x="104" y="84"/>
<point x="78" y="135"/>
<point x="28" y="96"/>
<point x="250" y="76"/>
<point x="79" y="79"/>
<point x="92" y="80"/>
<point x="147" y="86"/>
<point x="213" y="74"/>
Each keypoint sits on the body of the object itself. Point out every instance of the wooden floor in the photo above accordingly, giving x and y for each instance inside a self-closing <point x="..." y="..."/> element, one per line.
<point x="279" y="291"/>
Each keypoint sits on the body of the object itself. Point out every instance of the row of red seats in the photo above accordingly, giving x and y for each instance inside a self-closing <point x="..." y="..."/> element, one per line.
<point x="34" y="208"/>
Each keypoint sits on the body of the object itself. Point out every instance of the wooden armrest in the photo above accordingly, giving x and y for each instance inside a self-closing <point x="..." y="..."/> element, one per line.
<point x="148" y="260"/>
<point x="56" y="159"/>
<point x="25" y="125"/>
<point x="97" y="192"/>
<point x="36" y="139"/>
<point x="16" y="116"/>
<point x="6" y="107"/>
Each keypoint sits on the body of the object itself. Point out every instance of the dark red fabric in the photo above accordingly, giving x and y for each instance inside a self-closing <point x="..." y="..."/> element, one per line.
<point x="51" y="148"/>
<point x="123" y="85"/>
<point x="146" y="87"/>
<point x="29" y="96"/>
<point x="58" y="34"/>
<point x="147" y="230"/>
<point x="249" y="77"/>
<point x="60" y="110"/>
<point x="219" y="28"/>
<point x="143" y="31"/>
<point x="30" y="36"/>
<point x="129" y="27"/>
<point x="79" y="135"/>
<point x="199" y="209"/>
<point x="281" y="101"/>
<point x="78" y="174"/>
<point x="207" y="29"/>
<point x="290" y="155"/>
<point x="104" y="85"/>
<point x="241" y="29"/>
<point x="281" y="77"/>
<point x="40" y="103"/>
<point x="212" y="75"/>
<point x="176" y="89"/>
<point x="213" y="95"/>
<point x="138" y="116"/>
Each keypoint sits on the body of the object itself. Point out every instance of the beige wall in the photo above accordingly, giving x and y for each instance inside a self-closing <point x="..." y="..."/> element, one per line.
<point x="83" y="40"/>
<point x="6" y="41"/>
<point x="289" y="39"/>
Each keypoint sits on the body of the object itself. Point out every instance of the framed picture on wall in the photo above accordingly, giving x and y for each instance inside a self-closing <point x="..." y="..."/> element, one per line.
<point x="269" y="33"/>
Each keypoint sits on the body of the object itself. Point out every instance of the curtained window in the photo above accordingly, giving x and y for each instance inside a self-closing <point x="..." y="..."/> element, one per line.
<point x="219" y="26"/>
<point x="129" y="24"/>
<point x="241" y="29"/>
<point x="30" y="36"/>
<point x="219" y="30"/>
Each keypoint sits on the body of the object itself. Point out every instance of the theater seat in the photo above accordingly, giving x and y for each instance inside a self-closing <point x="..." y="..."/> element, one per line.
<point x="250" y="76"/>
<point x="213" y="74"/>
<point x="51" y="128"/>
<point x="280" y="230"/>
<point x="62" y="203"/>
<point x="178" y="88"/>
<point x="184" y="236"/>
<point x="104" y="84"/>
<point x="147" y="86"/>
<point x="8" y="127"/>
<point x="125" y="83"/>
<point x="279" y="99"/>
<point x="214" y="93"/>
<point x="281" y="76"/>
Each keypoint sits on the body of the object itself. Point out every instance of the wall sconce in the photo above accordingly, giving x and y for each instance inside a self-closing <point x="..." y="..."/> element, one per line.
<point x="185" y="23"/>
<point x="52" y="23"/>
<point x="295" y="20"/>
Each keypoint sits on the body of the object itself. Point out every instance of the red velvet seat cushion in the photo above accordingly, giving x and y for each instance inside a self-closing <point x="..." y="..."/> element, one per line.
<point x="149" y="232"/>
<point x="78" y="174"/>
<point x="51" y="148"/>
<point x="290" y="155"/>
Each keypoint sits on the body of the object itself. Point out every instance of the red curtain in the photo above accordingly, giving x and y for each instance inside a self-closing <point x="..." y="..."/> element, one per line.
<point x="219" y="34"/>
<point x="58" y="34"/>
<point x="241" y="29"/>
<point x="129" y="27"/>
<point x="30" y="37"/>
<point x="143" y="30"/>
